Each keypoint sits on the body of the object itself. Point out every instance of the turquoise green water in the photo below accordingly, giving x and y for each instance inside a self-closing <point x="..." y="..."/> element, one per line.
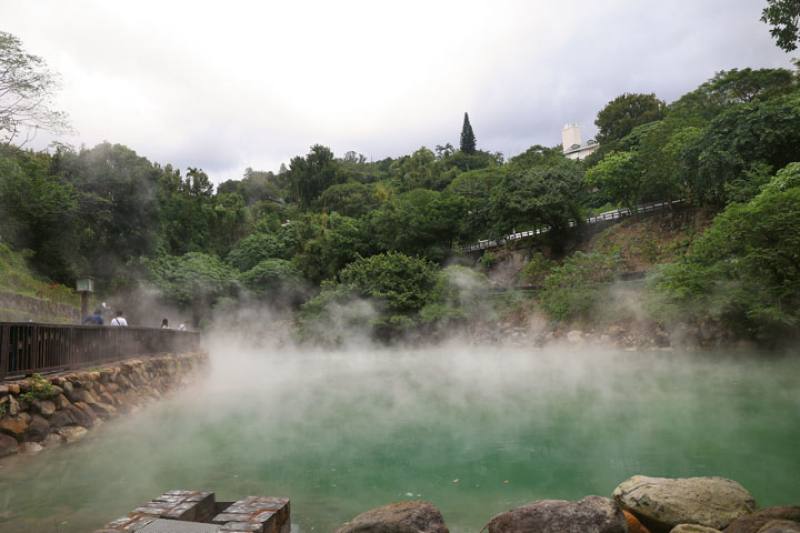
<point x="475" y="432"/>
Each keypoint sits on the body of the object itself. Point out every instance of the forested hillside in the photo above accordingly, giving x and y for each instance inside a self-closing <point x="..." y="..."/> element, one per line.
<point x="330" y="230"/>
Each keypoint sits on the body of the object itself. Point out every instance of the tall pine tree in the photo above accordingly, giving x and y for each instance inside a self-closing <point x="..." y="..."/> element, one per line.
<point x="467" y="137"/>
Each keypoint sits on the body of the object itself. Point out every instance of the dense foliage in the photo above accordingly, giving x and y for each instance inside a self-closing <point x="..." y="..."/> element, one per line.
<point x="344" y="233"/>
<point x="573" y="289"/>
<point x="396" y="286"/>
<point x="745" y="270"/>
<point x="784" y="17"/>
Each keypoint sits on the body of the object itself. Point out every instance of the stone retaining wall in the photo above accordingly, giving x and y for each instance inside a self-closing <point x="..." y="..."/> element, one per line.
<point x="21" y="308"/>
<point x="43" y="411"/>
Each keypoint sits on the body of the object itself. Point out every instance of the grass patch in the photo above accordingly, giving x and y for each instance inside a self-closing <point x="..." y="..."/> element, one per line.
<point x="17" y="278"/>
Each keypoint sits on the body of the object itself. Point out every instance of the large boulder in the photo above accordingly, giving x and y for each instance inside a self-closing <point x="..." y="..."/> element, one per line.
<point x="592" y="514"/>
<point x="63" y="417"/>
<point x="751" y="523"/>
<point x="84" y="414"/>
<point x="45" y="407"/>
<point x="16" y="426"/>
<point x="38" y="429"/>
<point x="84" y="395"/>
<point x="62" y="402"/>
<point x="72" y="433"/>
<point x="8" y="445"/>
<point x="10" y="405"/>
<point x="403" y="517"/>
<point x="53" y="439"/>
<point x="104" y="410"/>
<point x="663" y="503"/>
<point x="30" y="448"/>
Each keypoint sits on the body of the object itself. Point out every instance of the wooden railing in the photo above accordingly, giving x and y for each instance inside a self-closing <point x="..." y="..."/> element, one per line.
<point x="26" y="348"/>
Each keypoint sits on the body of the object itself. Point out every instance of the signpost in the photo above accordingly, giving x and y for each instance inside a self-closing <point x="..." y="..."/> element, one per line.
<point x="85" y="286"/>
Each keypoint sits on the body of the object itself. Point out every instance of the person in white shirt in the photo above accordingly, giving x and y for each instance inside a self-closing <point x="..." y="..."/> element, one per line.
<point x="119" y="320"/>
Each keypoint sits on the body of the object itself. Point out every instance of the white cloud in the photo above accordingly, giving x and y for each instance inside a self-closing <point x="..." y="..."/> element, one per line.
<point x="228" y="85"/>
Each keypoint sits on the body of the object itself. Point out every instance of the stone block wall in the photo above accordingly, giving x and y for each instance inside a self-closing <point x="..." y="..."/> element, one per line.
<point x="42" y="411"/>
<point x="21" y="308"/>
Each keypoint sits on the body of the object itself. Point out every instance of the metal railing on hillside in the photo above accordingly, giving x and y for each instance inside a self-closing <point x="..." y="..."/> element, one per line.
<point x="26" y="347"/>
<point x="602" y="217"/>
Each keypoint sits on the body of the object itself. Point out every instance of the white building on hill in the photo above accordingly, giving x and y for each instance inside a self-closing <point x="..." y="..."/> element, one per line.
<point x="573" y="146"/>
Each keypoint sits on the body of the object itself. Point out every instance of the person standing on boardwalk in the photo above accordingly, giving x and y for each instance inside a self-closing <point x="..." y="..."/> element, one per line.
<point x="119" y="320"/>
<point x="95" y="319"/>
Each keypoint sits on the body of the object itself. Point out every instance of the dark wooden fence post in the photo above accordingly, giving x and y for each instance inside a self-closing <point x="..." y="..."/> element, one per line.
<point x="5" y="331"/>
<point x="35" y="347"/>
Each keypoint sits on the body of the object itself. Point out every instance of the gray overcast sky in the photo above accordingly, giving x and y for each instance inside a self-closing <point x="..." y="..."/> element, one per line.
<point x="227" y="85"/>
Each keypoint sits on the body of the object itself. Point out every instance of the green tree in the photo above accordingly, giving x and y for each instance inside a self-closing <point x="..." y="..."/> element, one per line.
<point x="537" y="156"/>
<point x="420" y="170"/>
<point x="620" y="174"/>
<point x="39" y="212"/>
<point x="473" y="189"/>
<point x="419" y="222"/>
<point x="743" y="271"/>
<point x="397" y="285"/>
<point x="339" y="241"/>
<point x="618" y="118"/>
<point x="26" y="90"/>
<point x="186" y="208"/>
<point x="276" y="281"/>
<point x="309" y="176"/>
<point x="747" y="85"/>
<point x="118" y="207"/>
<point x="467" y="137"/>
<point x="255" y="248"/>
<point x="193" y="281"/>
<point x="739" y="140"/>
<point x="784" y="18"/>
<point x="402" y="282"/>
<point x="539" y="196"/>
<point x="729" y="88"/>
<point x="256" y="186"/>
<point x="228" y="223"/>
<point x="352" y="199"/>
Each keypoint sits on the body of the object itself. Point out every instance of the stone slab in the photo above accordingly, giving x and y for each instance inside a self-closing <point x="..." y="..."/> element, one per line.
<point x="178" y="526"/>
<point x="255" y="513"/>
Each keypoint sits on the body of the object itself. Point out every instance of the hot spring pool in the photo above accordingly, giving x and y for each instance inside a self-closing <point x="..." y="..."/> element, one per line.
<point x="475" y="431"/>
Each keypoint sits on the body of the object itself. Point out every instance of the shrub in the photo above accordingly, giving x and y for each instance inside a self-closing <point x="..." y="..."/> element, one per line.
<point x="488" y="260"/>
<point x="40" y="389"/>
<point x="572" y="289"/>
<point x="382" y="293"/>
<point x="193" y="279"/>
<point x="276" y="280"/>
<point x="536" y="269"/>
<point x="255" y="248"/>
<point x="404" y="284"/>
<point x="458" y="296"/>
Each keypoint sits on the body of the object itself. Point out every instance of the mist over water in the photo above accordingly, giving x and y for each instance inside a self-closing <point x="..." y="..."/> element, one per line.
<point x="474" y="430"/>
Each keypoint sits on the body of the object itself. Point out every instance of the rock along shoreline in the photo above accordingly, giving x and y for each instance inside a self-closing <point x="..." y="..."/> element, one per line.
<point x="40" y="412"/>
<point x="640" y="504"/>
